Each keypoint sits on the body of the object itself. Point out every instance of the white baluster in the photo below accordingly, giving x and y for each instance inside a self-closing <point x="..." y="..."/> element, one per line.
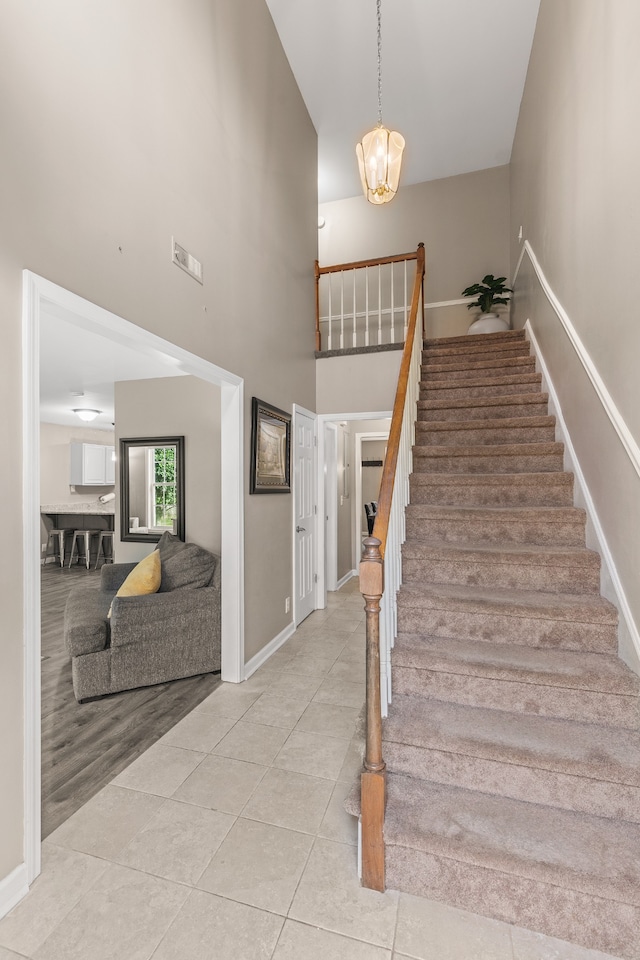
<point x="366" y="306"/>
<point x="342" y="309"/>
<point x="329" y="338"/>
<point x="355" y="337"/>
<point x="406" y="304"/>
<point x="379" y="304"/>
<point x="393" y="315"/>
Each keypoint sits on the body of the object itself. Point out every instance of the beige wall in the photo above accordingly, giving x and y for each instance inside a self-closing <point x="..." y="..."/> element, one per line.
<point x="173" y="407"/>
<point x="576" y="193"/>
<point x="124" y="124"/>
<point x="463" y="222"/>
<point x="362" y="383"/>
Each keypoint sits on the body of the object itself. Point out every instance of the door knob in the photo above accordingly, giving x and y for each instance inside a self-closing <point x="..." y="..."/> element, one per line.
<point x="301" y="530"/>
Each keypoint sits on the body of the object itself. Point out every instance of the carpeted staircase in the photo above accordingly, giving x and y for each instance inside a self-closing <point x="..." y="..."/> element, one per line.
<point x="513" y="741"/>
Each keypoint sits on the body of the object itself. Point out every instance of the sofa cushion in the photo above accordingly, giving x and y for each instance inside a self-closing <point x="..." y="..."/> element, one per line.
<point x="86" y="628"/>
<point x="143" y="579"/>
<point x="184" y="565"/>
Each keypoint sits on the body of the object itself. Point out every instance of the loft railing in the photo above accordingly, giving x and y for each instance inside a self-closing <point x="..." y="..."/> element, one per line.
<point x="380" y="578"/>
<point x="363" y="304"/>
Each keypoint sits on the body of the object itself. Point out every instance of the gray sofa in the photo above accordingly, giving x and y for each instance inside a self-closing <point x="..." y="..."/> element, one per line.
<point x="149" y="639"/>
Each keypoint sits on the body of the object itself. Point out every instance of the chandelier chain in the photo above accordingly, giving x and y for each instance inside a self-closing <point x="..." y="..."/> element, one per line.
<point x="378" y="2"/>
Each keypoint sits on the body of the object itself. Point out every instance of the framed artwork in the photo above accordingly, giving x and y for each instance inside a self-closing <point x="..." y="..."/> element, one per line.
<point x="270" y="449"/>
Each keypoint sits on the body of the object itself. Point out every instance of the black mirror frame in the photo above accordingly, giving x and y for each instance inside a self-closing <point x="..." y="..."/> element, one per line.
<point x="125" y="446"/>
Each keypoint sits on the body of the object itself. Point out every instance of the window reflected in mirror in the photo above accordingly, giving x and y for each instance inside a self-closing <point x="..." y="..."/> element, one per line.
<point x="152" y="487"/>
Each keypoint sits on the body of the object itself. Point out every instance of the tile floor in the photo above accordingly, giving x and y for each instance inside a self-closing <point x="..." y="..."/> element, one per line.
<point x="227" y="839"/>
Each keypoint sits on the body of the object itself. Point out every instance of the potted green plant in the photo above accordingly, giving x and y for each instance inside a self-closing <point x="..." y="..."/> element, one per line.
<point x="489" y="293"/>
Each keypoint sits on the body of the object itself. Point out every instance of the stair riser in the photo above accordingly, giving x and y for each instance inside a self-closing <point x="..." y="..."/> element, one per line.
<point x="524" y="576"/>
<point x="484" y="495"/>
<point x="504" y="411"/>
<point x="542" y="463"/>
<point x="532" y="784"/>
<point x="472" y="435"/>
<point x="584" y="706"/>
<point x="500" y="628"/>
<point x="451" y="355"/>
<point x="543" y="533"/>
<point x="476" y="371"/>
<point x="445" y="389"/>
<point x="600" y="924"/>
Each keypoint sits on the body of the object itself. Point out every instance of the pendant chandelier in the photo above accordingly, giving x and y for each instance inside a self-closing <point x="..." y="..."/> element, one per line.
<point x="380" y="152"/>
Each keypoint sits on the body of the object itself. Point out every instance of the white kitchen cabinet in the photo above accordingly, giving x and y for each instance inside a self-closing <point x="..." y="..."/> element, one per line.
<point x="92" y="464"/>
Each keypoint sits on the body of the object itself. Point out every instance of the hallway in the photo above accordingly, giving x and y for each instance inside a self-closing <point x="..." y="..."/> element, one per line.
<point x="228" y="839"/>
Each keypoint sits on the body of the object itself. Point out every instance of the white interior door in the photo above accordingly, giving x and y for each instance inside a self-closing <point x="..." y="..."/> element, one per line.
<point x="304" y="456"/>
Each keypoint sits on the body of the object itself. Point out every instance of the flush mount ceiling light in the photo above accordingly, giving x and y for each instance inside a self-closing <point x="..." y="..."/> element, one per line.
<point x="380" y="152"/>
<point x="85" y="414"/>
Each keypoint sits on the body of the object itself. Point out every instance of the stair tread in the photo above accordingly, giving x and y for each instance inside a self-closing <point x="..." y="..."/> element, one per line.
<point x="522" y="553"/>
<point x="561" y="477"/>
<point x="579" y="608"/>
<point x="582" y="852"/>
<point x="596" y="751"/>
<point x="427" y="511"/>
<point x="506" y="399"/>
<point x="515" y="348"/>
<point x="506" y="379"/>
<point x="467" y="338"/>
<point x="463" y="362"/>
<point x="595" y="672"/>
<point x="489" y="423"/>
<point x="542" y="448"/>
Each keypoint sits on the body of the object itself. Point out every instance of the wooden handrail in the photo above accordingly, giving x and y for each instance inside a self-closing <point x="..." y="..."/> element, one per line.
<point x="376" y="262"/>
<point x="385" y="495"/>
<point x="373" y="777"/>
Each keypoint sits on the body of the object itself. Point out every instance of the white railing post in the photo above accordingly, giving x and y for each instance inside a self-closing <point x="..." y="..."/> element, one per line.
<point x="366" y="306"/>
<point x="342" y="309"/>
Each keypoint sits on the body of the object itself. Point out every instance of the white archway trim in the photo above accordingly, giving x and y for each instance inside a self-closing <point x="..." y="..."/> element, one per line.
<point x="36" y="291"/>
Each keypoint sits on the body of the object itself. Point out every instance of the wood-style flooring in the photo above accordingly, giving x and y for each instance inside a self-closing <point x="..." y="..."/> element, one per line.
<point x="85" y="745"/>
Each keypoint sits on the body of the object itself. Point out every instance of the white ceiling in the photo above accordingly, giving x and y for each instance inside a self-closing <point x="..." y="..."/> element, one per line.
<point x="453" y="72"/>
<point x="75" y="359"/>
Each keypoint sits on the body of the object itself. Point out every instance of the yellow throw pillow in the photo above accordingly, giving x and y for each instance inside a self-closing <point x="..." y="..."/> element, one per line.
<point x="144" y="578"/>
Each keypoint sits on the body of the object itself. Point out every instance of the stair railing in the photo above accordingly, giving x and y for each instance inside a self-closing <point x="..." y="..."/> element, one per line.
<point x="364" y="303"/>
<point x="380" y="578"/>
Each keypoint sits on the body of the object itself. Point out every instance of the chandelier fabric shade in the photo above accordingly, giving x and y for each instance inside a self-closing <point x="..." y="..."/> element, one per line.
<point x="379" y="161"/>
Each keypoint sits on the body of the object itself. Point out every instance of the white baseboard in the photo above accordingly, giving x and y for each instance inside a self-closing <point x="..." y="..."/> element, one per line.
<point x="267" y="651"/>
<point x="13" y="888"/>
<point x="610" y="584"/>
<point x="346" y="578"/>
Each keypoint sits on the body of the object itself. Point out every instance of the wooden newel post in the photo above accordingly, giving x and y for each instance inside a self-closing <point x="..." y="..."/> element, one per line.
<point x="372" y="793"/>
<point x="318" y="337"/>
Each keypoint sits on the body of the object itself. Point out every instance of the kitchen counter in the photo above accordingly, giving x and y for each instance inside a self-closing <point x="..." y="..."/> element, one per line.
<point x="91" y="515"/>
<point x="93" y="507"/>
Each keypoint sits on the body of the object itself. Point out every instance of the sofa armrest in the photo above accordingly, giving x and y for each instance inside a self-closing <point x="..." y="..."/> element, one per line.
<point x="113" y="575"/>
<point x="160" y="616"/>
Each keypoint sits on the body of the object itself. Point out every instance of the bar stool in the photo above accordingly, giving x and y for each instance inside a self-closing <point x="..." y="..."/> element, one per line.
<point x="108" y="536"/>
<point x="58" y="546"/>
<point x="82" y="535"/>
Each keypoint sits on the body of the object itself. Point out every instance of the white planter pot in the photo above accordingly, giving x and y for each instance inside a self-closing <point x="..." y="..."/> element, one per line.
<point x="489" y="323"/>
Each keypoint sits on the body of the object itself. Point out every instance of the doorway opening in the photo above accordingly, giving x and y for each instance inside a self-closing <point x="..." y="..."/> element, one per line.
<point x="340" y="501"/>
<point x="42" y="295"/>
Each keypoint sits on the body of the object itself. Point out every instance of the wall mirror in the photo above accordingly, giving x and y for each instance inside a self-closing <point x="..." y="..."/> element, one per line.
<point x="151" y="488"/>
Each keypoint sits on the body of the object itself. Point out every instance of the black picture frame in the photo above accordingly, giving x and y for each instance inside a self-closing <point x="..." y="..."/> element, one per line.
<point x="270" y="449"/>
<point x="126" y="446"/>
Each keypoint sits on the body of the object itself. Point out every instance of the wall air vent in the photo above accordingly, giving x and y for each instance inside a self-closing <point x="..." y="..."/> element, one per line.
<point x="185" y="261"/>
